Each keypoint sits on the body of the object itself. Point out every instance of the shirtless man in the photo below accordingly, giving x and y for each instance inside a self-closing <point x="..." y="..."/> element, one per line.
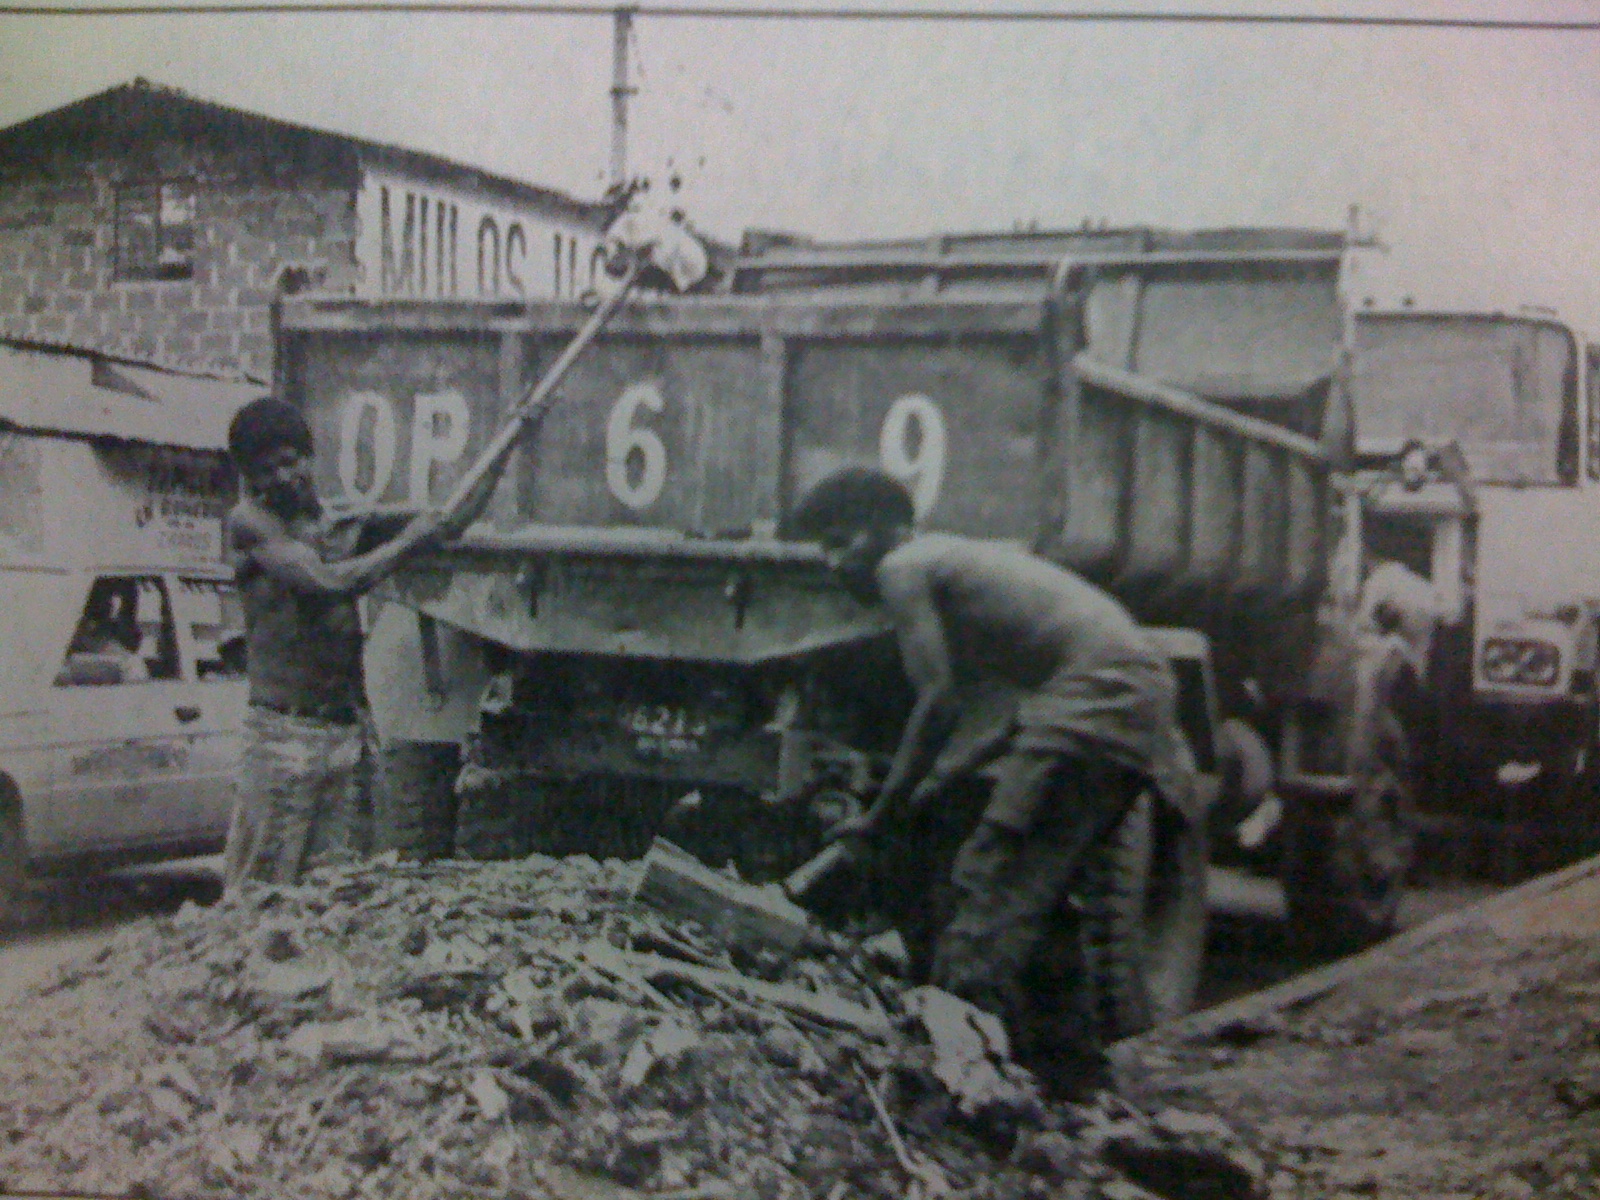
<point x="304" y="795"/>
<point x="1096" y="719"/>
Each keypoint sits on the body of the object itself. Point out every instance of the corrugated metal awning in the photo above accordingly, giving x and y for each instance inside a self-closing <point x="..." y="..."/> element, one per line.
<point x="79" y="393"/>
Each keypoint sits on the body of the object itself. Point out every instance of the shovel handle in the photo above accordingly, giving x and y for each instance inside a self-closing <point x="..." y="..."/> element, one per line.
<point x="808" y="875"/>
<point x="539" y="396"/>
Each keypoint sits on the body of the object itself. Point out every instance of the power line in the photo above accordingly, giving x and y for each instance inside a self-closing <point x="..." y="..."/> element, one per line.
<point x="1032" y="16"/>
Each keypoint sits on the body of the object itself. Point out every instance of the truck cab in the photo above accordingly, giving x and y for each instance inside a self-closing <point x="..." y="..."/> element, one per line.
<point x="1478" y="470"/>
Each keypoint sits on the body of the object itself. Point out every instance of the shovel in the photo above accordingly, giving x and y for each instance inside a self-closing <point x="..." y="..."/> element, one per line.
<point x="804" y="878"/>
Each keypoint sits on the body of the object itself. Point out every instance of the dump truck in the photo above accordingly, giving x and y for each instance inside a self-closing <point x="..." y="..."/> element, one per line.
<point x="1477" y="475"/>
<point x="629" y="645"/>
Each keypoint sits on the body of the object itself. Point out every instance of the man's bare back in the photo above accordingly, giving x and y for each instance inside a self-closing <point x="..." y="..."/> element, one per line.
<point x="1006" y="613"/>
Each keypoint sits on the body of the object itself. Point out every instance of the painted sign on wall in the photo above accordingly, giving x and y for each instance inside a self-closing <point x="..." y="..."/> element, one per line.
<point x="429" y="242"/>
<point x="171" y="501"/>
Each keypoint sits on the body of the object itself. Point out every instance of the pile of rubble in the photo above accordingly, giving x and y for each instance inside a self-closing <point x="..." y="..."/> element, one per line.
<point x="530" y="1029"/>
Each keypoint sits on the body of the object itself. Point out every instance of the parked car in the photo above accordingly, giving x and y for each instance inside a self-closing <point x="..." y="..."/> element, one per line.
<point x="122" y="673"/>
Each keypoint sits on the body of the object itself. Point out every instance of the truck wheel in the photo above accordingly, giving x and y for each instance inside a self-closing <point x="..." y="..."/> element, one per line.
<point x="1343" y="875"/>
<point x="1143" y="920"/>
<point x="414" y="800"/>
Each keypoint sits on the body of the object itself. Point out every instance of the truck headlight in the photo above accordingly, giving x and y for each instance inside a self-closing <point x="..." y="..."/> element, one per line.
<point x="1524" y="661"/>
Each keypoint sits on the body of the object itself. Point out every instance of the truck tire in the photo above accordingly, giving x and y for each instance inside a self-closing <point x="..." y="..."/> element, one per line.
<point x="1344" y="873"/>
<point x="414" y="800"/>
<point x="1142" y="924"/>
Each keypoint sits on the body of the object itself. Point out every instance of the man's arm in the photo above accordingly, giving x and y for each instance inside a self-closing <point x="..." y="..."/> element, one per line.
<point x="255" y="536"/>
<point x="908" y="595"/>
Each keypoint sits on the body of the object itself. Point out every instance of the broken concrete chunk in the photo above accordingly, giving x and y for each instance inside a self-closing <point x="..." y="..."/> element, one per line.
<point x="1179" y="1123"/>
<point x="166" y="1027"/>
<point x="1121" y="1189"/>
<point x="356" y="1040"/>
<point x="234" y="1148"/>
<point x="486" y="1092"/>
<point x="662" y="1045"/>
<point x="786" y="1046"/>
<point x="173" y="1078"/>
<point x="887" y="952"/>
<point x="454" y="956"/>
<point x="170" y="1104"/>
<point x="1047" y="1152"/>
<point x="279" y="943"/>
<point x="1420" y="1043"/>
<point x="278" y="983"/>
<point x="972" y="1055"/>
<point x="520" y="1004"/>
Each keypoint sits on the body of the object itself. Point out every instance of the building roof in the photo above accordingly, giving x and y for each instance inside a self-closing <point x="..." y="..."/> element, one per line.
<point x="54" y="389"/>
<point x="122" y="112"/>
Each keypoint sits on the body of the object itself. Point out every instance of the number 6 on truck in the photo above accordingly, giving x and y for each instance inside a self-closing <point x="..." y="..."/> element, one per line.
<point x="624" y="439"/>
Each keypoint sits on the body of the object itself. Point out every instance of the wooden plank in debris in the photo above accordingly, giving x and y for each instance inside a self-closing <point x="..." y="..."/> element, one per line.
<point x="821" y="1006"/>
<point x="734" y="913"/>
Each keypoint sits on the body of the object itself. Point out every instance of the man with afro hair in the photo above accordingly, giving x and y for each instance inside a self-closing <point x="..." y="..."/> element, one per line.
<point x="1096" y="721"/>
<point x="304" y="794"/>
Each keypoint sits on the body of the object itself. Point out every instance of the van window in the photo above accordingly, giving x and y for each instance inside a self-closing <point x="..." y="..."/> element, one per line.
<point x="124" y="635"/>
<point x="214" y="615"/>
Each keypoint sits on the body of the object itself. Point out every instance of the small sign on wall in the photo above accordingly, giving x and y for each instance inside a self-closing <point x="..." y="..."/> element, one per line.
<point x="173" y="501"/>
<point x="420" y="240"/>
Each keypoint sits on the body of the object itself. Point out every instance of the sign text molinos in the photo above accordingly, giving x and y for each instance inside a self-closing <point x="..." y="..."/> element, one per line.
<point x="424" y="241"/>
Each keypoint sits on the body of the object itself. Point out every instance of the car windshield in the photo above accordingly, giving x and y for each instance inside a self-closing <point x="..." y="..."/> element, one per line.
<point x="1503" y="388"/>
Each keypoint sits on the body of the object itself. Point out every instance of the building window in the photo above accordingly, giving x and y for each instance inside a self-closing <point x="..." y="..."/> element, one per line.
<point x="155" y="231"/>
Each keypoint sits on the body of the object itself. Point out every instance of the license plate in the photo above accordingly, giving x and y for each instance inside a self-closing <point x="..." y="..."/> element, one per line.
<point x="665" y="731"/>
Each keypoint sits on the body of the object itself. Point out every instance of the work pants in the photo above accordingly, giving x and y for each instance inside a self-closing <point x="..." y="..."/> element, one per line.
<point x="303" y="798"/>
<point x="1011" y="884"/>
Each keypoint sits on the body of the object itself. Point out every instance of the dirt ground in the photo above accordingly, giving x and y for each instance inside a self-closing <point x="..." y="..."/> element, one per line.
<point x="1461" y="1061"/>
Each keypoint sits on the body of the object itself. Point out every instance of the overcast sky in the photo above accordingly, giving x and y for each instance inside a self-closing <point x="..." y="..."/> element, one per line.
<point x="1475" y="155"/>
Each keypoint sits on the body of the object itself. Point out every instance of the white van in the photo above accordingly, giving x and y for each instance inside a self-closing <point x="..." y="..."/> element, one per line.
<point x="122" y="683"/>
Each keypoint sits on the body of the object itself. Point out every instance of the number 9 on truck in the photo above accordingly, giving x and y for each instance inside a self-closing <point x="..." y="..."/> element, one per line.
<point x="911" y="447"/>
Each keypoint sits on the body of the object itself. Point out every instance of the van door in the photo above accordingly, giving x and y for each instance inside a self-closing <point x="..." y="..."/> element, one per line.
<point x="122" y="716"/>
<point x="211" y="639"/>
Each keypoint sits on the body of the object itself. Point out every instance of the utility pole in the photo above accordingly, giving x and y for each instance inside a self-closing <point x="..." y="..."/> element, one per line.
<point x="621" y="32"/>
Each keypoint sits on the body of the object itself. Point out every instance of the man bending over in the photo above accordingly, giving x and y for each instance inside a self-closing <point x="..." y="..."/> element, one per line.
<point x="1096" y="719"/>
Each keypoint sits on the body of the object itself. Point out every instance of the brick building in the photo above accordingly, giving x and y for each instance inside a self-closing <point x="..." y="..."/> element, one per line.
<point x="146" y="223"/>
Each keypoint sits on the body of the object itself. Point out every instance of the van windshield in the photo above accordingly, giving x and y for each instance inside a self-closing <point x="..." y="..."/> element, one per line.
<point x="1504" y="388"/>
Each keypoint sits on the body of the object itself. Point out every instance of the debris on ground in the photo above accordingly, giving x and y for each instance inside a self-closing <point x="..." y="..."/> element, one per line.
<point x="529" y="1029"/>
<point x="1459" y="1066"/>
